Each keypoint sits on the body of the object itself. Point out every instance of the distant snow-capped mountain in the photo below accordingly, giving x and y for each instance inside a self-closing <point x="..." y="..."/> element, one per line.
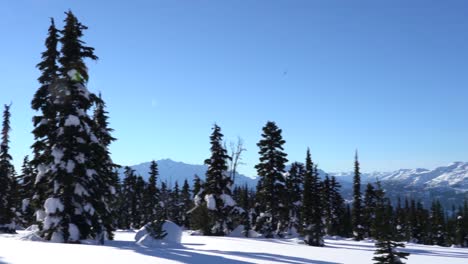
<point x="453" y="176"/>
<point x="171" y="171"/>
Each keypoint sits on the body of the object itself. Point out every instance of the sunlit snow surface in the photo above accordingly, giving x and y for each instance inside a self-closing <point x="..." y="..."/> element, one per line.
<point x="204" y="250"/>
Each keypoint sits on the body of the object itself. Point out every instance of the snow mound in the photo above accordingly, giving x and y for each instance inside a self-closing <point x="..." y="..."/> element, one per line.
<point x="31" y="234"/>
<point x="239" y="231"/>
<point x="174" y="236"/>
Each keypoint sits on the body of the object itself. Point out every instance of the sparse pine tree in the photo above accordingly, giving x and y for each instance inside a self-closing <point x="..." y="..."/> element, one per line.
<point x="358" y="228"/>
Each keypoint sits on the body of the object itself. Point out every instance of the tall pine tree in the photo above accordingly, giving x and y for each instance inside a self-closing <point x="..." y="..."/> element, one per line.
<point x="271" y="189"/>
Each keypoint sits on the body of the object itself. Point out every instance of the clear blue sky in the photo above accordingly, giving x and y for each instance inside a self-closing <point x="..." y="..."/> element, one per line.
<point x="387" y="77"/>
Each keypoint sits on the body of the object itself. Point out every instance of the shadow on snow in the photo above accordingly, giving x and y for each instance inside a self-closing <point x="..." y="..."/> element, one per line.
<point x="196" y="256"/>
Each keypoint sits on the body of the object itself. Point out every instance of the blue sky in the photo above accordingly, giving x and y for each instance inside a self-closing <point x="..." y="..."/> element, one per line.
<point x="387" y="77"/>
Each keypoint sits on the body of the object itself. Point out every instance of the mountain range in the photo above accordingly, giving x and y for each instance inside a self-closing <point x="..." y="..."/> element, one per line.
<point x="446" y="183"/>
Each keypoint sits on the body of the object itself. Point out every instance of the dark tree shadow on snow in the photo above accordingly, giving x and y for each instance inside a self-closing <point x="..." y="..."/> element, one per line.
<point x="196" y="256"/>
<point x="440" y="253"/>
<point x="174" y="252"/>
<point x="270" y="257"/>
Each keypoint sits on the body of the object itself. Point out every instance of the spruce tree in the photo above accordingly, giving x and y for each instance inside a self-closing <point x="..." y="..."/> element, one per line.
<point x="271" y="192"/>
<point x="217" y="192"/>
<point x="7" y="178"/>
<point x="312" y="214"/>
<point x="358" y="228"/>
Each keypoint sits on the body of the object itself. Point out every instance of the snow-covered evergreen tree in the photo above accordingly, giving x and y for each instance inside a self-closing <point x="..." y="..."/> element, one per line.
<point x="7" y="178"/>
<point x="271" y="203"/>
<point x="217" y="191"/>
<point x="313" y="229"/>
<point x="68" y="174"/>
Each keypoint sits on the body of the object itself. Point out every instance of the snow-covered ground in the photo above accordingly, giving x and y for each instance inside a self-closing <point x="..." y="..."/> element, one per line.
<point x="223" y="250"/>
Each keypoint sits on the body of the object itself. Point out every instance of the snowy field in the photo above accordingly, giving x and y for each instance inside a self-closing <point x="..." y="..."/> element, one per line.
<point x="222" y="250"/>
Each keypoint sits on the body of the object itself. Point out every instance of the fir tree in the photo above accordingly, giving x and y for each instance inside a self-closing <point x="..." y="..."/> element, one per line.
<point x="7" y="178"/>
<point x="217" y="193"/>
<point x="386" y="252"/>
<point x="358" y="230"/>
<point x="312" y="214"/>
<point x="271" y="191"/>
